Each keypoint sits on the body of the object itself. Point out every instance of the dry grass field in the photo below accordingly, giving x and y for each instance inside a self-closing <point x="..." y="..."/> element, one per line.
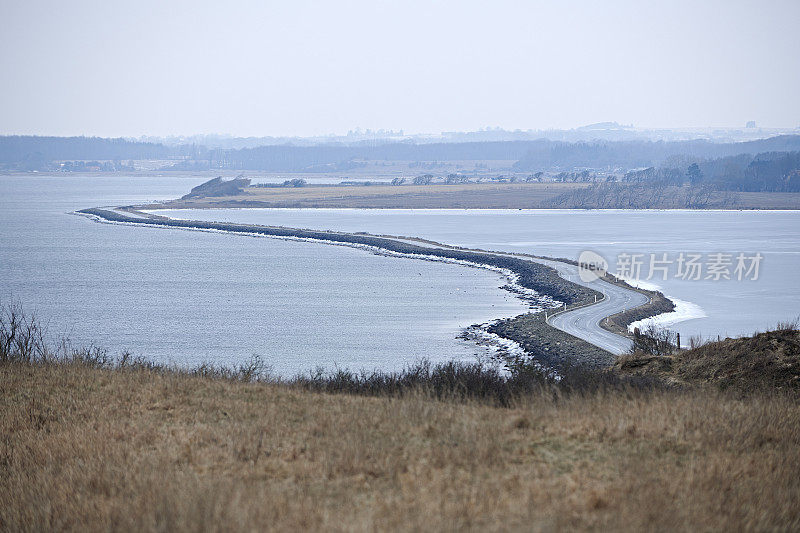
<point x="465" y="195"/>
<point x="84" y="448"/>
<point x="440" y="196"/>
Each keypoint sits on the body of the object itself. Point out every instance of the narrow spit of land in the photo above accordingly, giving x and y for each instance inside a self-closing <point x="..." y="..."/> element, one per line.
<point x="552" y="346"/>
<point x="479" y="196"/>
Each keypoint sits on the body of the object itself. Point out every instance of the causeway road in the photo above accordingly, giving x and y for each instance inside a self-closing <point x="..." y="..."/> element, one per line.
<point x="584" y="322"/>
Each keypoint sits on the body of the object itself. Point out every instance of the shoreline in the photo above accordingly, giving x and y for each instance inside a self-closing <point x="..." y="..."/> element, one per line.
<point x="171" y="205"/>
<point x="532" y="282"/>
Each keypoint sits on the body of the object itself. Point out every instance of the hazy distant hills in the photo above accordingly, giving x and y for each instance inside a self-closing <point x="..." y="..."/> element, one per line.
<point x="36" y="153"/>
<point x="633" y="154"/>
<point x="601" y="131"/>
<point x="27" y="153"/>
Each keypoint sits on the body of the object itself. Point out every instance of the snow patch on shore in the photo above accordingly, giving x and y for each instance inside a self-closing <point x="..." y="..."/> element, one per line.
<point x="683" y="311"/>
<point x="501" y="350"/>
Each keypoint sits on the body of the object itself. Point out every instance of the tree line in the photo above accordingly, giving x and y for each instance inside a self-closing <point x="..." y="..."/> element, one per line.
<point x="765" y="172"/>
<point x="724" y="165"/>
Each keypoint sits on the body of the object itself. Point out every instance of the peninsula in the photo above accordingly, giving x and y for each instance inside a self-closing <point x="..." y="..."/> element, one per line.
<point x="545" y="340"/>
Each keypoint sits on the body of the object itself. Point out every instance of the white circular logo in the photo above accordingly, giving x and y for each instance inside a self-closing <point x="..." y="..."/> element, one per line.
<point x="591" y="266"/>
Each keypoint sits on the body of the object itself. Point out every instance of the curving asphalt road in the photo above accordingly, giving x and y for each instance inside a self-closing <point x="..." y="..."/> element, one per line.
<point x="584" y="322"/>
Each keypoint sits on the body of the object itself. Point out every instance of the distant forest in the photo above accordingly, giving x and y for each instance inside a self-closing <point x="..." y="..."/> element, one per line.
<point x="765" y="172"/>
<point x="38" y="153"/>
<point x="638" y="154"/>
<point x="763" y="165"/>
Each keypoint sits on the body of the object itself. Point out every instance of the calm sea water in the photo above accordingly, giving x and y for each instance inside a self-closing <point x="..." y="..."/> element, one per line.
<point x="711" y="308"/>
<point x="187" y="297"/>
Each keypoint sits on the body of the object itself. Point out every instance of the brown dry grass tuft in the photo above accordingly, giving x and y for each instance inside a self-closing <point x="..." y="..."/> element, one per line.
<point x="89" y="449"/>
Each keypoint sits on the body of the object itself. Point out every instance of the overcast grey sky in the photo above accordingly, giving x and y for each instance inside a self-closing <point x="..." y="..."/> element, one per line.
<point x="300" y="67"/>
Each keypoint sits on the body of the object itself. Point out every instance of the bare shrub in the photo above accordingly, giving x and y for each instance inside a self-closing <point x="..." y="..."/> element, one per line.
<point x="654" y="340"/>
<point x="22" y="337"/>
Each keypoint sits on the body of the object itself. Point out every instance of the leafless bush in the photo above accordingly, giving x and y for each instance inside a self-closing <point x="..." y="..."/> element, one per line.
<point x="22" y="337"/>
<point x="654" y="340"/>
<point x="93" y="356"/>
<point x="695" y="341"/>
<point x="789" y="325"/>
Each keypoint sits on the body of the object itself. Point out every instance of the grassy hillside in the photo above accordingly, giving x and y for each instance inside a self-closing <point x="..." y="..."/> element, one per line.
<point x="88" y="448"/>
<point x="769" y="360"/>
<point x="89" y="443"/>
